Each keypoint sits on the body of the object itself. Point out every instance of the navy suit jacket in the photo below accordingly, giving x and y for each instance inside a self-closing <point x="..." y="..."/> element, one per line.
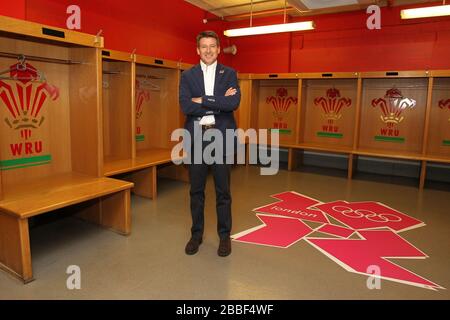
<point x="192" y="86"/>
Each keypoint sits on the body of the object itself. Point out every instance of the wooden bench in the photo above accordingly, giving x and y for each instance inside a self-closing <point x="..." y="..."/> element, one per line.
<point x="360" y="126"/>
<point x="51" y="154"/>
<point x="140" y="111"/>
<point x="294" y="161"/>
<point x="110" y="208"/>
<point x="142" y="170"/>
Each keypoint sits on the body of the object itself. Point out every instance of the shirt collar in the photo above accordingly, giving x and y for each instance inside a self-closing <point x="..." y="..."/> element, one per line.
<point x="210" y="67"/>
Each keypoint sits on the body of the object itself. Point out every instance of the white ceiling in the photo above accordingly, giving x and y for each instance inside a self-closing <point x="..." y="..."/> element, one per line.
<point x="240" y="9"/>
<point x="320" y="4"/>
<point x="232" y="7"/>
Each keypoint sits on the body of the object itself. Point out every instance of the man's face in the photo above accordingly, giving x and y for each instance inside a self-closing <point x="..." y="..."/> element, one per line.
<point x="208" y="50"/>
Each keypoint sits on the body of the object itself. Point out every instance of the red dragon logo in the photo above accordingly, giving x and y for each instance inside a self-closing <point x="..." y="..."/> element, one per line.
<point x="445" y="104"/>
<point x="25" y="99"/>
<point x="332" y="104"/>
<point x="141" y="96"/>
<point x="392" y="106"/>
<point x="281" y="104"/>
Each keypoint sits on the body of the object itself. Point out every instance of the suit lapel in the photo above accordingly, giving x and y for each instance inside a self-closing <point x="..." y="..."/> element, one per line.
<point x="198" y="77"/>
<point x="219" y="73"/>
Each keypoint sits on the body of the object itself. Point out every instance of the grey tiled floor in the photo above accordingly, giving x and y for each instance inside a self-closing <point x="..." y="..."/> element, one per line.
<point x="151" y="264"/>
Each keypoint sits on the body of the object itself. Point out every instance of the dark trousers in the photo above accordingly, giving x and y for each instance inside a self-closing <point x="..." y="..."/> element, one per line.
<point x="197" y="175"/>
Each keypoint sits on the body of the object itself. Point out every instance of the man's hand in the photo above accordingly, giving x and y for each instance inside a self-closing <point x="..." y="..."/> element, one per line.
<point x="197" y="100"/>
<point x="230" y="92"/>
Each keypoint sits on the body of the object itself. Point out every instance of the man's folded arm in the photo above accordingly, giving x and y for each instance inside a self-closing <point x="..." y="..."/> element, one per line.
<point x="222" y="103"/>
<point x="189" y="107"/>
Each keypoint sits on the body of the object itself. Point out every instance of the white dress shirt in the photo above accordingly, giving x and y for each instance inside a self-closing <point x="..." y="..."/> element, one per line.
<point x="209" y="77"/>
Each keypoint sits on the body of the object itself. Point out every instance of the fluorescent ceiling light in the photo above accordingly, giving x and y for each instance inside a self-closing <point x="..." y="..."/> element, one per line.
<point x="425" y="12"/>
<point x="321" y="4"/>
<point x="275" y="28"/>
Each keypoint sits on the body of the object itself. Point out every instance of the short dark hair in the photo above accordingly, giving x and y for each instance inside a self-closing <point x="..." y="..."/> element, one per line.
<point x="208" y="34"/>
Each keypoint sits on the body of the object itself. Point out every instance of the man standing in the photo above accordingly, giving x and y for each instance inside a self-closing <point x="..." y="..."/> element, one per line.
<point x="209" y="93"/>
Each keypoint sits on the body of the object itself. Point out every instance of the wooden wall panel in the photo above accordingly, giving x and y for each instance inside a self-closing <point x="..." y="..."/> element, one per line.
<point x="439" y="129"/>
<point x="117" y="110"/>
<point x="400" y="127"/>
<point x="159" y="113"/>
<point x="254" y="101"/>
<point x="278" y="107"/>
<point x="85" y="112"/>
<point x="242" y="114"/>
<point x="34" y="142"/>
<point x="330" y="111"/>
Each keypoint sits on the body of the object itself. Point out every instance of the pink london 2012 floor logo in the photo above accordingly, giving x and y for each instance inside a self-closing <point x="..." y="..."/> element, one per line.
<point x="355" y="235"/>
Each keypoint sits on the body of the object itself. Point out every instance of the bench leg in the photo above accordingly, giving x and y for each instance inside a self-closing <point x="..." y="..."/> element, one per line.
<point x="295" y="158"/>
<point x="112" y="211"/>
<point x="247" y="154"/>
<point x="183" y="173"/>
<point x="423" y="173"/>
<point x="291" y="159"/>
<point x="15" y="253"/>
<point x="144" y="182"/>
<point x="352" y="165"/>
<point x="116" y="212"/>
<point x="174" y="172"/>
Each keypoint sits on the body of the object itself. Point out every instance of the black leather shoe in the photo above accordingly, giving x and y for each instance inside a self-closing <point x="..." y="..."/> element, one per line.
<point x="192" y="246"/>
<point x="224" y="247"/>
